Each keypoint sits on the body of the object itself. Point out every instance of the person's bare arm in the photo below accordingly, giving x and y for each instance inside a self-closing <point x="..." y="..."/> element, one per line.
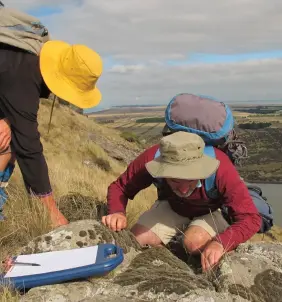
<point x="5" y="134"/>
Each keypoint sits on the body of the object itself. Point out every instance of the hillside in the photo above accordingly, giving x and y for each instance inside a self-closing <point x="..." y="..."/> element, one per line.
<point x="84" y="157"/>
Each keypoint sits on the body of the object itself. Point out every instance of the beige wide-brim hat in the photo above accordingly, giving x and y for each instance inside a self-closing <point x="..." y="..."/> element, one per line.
<point x="199" y="169"/>
<point x="182" y="157"/>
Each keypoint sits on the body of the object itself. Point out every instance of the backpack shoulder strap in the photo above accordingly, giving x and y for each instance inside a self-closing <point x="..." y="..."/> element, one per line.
<point x="157" y="182"/>
<point x="210" y="185"/>
<point x="157" y="154"/>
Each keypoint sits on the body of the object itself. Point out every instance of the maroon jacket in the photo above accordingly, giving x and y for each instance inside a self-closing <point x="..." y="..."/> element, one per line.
<point x="235" y="194"/>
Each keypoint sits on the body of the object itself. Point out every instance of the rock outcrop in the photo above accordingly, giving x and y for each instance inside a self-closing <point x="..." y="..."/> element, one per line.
<point x="119" y="150"/>
<point x="251" y="273"/>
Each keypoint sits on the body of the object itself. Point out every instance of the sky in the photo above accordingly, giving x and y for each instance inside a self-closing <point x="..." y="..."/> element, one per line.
<point x="154" y="49"/>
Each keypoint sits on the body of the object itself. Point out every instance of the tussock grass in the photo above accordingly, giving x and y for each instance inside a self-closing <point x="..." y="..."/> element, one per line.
<point x="7" y="296"/>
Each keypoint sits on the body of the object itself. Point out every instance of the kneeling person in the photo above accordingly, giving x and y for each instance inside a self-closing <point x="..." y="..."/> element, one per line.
<point x="183" y="204"/>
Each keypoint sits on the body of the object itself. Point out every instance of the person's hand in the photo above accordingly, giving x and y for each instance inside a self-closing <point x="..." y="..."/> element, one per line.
<point x="115" y="222"/>
<point x="5" y="134"/>
<point x="211" y="255"/>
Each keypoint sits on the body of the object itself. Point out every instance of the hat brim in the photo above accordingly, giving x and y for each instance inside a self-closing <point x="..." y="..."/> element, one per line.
<point x="199" y="169"/>
<point x="58" y="83"/>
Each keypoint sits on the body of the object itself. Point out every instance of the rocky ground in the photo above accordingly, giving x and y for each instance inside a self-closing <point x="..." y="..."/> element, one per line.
<point x="252" y="273"/>
<point x="121" y="151"/>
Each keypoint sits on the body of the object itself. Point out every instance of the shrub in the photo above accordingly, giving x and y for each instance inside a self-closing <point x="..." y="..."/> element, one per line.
<point x="254" y="125"/>
<point x="130" y="137"/>
<point x="103" y="164"/>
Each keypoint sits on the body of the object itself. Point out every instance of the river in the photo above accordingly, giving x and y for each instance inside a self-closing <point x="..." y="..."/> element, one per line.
<point x="273" y="193"/>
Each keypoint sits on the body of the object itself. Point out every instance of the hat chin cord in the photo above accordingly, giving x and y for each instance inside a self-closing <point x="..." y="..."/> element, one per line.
<point x="52" y="108"/>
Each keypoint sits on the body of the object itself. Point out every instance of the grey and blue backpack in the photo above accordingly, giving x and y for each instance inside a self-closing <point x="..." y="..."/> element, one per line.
<point x="213" y="121"/>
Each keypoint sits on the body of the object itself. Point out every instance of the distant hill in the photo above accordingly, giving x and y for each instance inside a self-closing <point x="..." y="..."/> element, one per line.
<point x="95" y="109"/>
<point x="141" y="107"/>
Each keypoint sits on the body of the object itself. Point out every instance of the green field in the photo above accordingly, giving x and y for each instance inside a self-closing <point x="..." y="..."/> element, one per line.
<point x="264" y="145"/>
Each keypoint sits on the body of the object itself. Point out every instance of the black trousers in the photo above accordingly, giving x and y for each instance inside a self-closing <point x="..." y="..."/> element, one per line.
<point x="21" y="86"/>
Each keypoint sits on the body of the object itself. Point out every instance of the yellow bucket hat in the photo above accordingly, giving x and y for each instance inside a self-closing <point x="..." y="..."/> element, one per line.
<point x="71" y="72"/>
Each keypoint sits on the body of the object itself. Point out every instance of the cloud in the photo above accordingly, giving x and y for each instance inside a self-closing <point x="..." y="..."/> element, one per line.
<point x="137" y="30"/>
<point x="126" y="68"/>
<point x="157" y="48"/>
<point x="248" y="80"/>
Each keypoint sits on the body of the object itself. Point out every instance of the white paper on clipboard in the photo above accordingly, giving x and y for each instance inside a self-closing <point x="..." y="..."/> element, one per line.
<point x="53" y="261"/>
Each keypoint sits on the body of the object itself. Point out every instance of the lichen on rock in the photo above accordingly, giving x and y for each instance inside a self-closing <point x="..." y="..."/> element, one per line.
<point x="267" y="287"/>
<point x="253" y="272"/>
<point x="240" y="269"/>
<point x="80" y="234"/>
<point x="67" y="292"/>
<point x="271" y="251"/>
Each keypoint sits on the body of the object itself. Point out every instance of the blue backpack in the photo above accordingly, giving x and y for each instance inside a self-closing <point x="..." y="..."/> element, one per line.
<point x="213" y="121"/>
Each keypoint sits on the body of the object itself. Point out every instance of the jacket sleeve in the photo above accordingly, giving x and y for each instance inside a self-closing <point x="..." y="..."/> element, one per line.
<point x="241" y="208"/>
<point x="128" y="184"/>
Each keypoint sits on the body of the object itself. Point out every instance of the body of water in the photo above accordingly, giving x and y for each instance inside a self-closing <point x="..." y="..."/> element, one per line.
<point x="273" y="193"/>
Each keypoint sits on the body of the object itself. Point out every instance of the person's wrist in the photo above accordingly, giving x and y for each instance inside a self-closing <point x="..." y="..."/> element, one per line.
<point x="118" y="212"/>
<point x="122" y="213"/>
<point x="217" y="240"/>
<point x="6" y="121"/>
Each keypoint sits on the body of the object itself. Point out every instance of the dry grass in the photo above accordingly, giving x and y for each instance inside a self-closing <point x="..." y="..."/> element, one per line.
<point x="7" y="296"/>
<point x="65" y="148"/>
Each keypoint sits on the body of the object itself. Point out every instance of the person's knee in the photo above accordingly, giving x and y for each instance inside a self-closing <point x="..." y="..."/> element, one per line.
<point x="145" y="236"/>
<point x="195" y="239"/>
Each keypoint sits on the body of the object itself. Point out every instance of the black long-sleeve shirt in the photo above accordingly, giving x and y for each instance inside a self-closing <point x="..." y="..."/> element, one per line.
<point x="21" y="86"/>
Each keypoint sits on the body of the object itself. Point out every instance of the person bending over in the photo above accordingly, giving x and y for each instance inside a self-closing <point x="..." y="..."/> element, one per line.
<point x="183" y="205"/>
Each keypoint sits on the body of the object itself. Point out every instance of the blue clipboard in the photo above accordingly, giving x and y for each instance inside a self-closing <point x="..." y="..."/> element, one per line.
<point x="60" y="266"/>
